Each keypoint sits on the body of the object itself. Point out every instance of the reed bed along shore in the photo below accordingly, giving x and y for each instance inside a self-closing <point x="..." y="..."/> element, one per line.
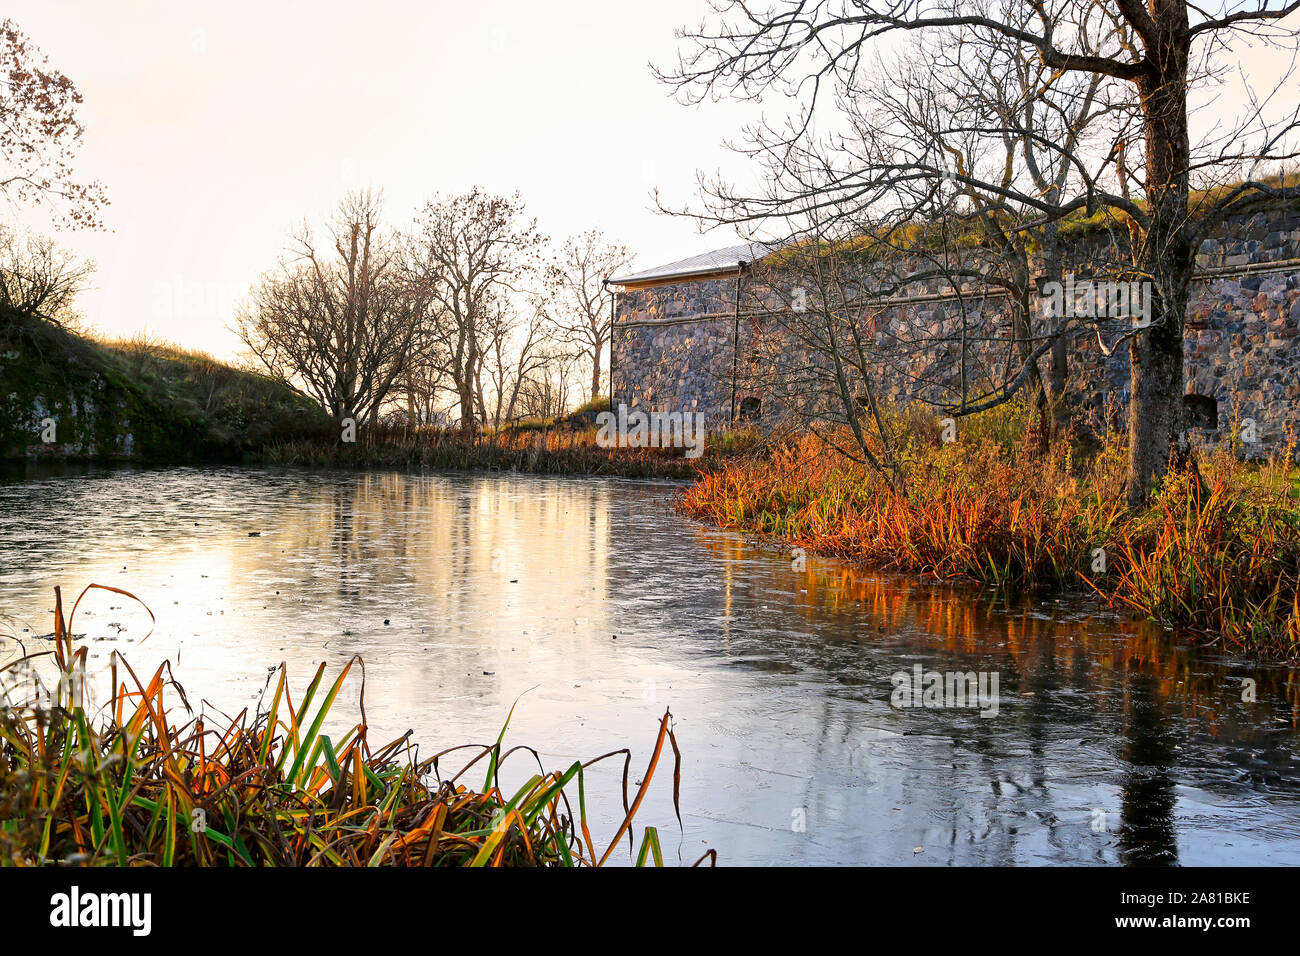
<point x="541" y="448"/>
<point x="1216" y="553"/>
<point x="561" y="451"/>
<point x="139" y="782"/>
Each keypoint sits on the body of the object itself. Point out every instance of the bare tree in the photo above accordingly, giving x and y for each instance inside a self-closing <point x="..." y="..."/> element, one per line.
<point x="467" y="251"/>
<point x="936" y="176"/>
<point x="422" y="384"/>
<point x="40" y="133"/>
<point x="338" y="319"/>
<point x="801" y="48"/>
<point x="577" y="280"/>
<point x="39" y="278"/>
<point x="544" y="393"/>
<point x="1000" y="116"/>
<point x="966" y="138"/>
<point x="811" y="352"/>
<point x="515" y="353"/>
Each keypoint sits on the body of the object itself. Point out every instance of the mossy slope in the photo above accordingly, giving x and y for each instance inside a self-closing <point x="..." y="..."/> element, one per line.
<point x="150" y="404"/>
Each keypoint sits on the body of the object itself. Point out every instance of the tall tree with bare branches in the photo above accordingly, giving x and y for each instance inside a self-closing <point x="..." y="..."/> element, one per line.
<point x="577" y="281"/>
<point x="337" y="319"/>
<point x="804" y="48"/>
<point x="467" y="252"/>
<point x="515" y="341"/>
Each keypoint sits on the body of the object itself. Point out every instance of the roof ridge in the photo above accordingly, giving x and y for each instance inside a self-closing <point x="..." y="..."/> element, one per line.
<point x="715" y="260"/>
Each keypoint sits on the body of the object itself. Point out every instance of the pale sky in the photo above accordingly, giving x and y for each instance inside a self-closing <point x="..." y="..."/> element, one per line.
<point x="216" y="127"/>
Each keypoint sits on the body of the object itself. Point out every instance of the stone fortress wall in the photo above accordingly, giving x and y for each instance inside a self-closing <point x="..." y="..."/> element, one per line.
<point x="674" y="344"/>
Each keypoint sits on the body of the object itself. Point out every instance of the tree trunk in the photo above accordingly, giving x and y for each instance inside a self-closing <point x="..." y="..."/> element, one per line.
<point x="1058" y="367"/>
<point x="1157" y="434"/>
<point x="466" y="395"/>
<point x="1037" y="437"/>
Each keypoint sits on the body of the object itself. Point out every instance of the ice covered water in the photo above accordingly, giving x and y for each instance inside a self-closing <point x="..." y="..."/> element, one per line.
<point x="596" y="607"/>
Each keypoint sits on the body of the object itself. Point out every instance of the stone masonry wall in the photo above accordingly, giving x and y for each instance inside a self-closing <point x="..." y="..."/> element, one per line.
<point x="673" y="344"/>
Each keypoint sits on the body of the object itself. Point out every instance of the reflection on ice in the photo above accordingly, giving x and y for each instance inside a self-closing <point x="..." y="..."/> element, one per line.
<point x="1110" y="743"/>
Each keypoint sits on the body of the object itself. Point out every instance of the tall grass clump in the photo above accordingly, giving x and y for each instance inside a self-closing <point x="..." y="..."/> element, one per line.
<point x="1220" y="560"/>
<point x="1216" y="551"/>
<point x="134" y="783"/>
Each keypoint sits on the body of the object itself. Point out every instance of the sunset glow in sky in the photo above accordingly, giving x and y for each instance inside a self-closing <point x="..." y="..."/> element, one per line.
<point x="217" y="127"/>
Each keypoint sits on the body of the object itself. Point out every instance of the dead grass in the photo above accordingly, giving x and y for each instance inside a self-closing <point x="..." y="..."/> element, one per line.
<point x="1219" y="558"/>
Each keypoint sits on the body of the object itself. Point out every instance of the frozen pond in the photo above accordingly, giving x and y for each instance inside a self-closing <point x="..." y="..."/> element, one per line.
<point x="597" y="604"/>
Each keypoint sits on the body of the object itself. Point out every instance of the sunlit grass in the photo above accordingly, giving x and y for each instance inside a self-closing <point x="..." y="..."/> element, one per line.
<point x="139" y="782"/>
<point x="1219" y="556"/>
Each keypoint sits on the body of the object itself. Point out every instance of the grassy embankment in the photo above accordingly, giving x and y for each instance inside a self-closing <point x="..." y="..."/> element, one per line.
<point x="136" y="783"/>
<point x="137" y="399"/>
<point x="146" y="401"/>
<point x="1219" y="558"/>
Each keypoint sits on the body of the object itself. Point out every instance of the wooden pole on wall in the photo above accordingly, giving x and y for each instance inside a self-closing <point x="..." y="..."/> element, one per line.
<point x="735" y="340"/>
<point x="613" y="299"/>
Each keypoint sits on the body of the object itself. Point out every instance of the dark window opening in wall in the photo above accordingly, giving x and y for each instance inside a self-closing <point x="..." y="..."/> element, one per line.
<point x="750" y="409"/>
<point x="1202" y="411"/>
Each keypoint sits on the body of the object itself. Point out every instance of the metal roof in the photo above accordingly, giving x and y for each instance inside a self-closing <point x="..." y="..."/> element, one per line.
<point x="719" y="260"/>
